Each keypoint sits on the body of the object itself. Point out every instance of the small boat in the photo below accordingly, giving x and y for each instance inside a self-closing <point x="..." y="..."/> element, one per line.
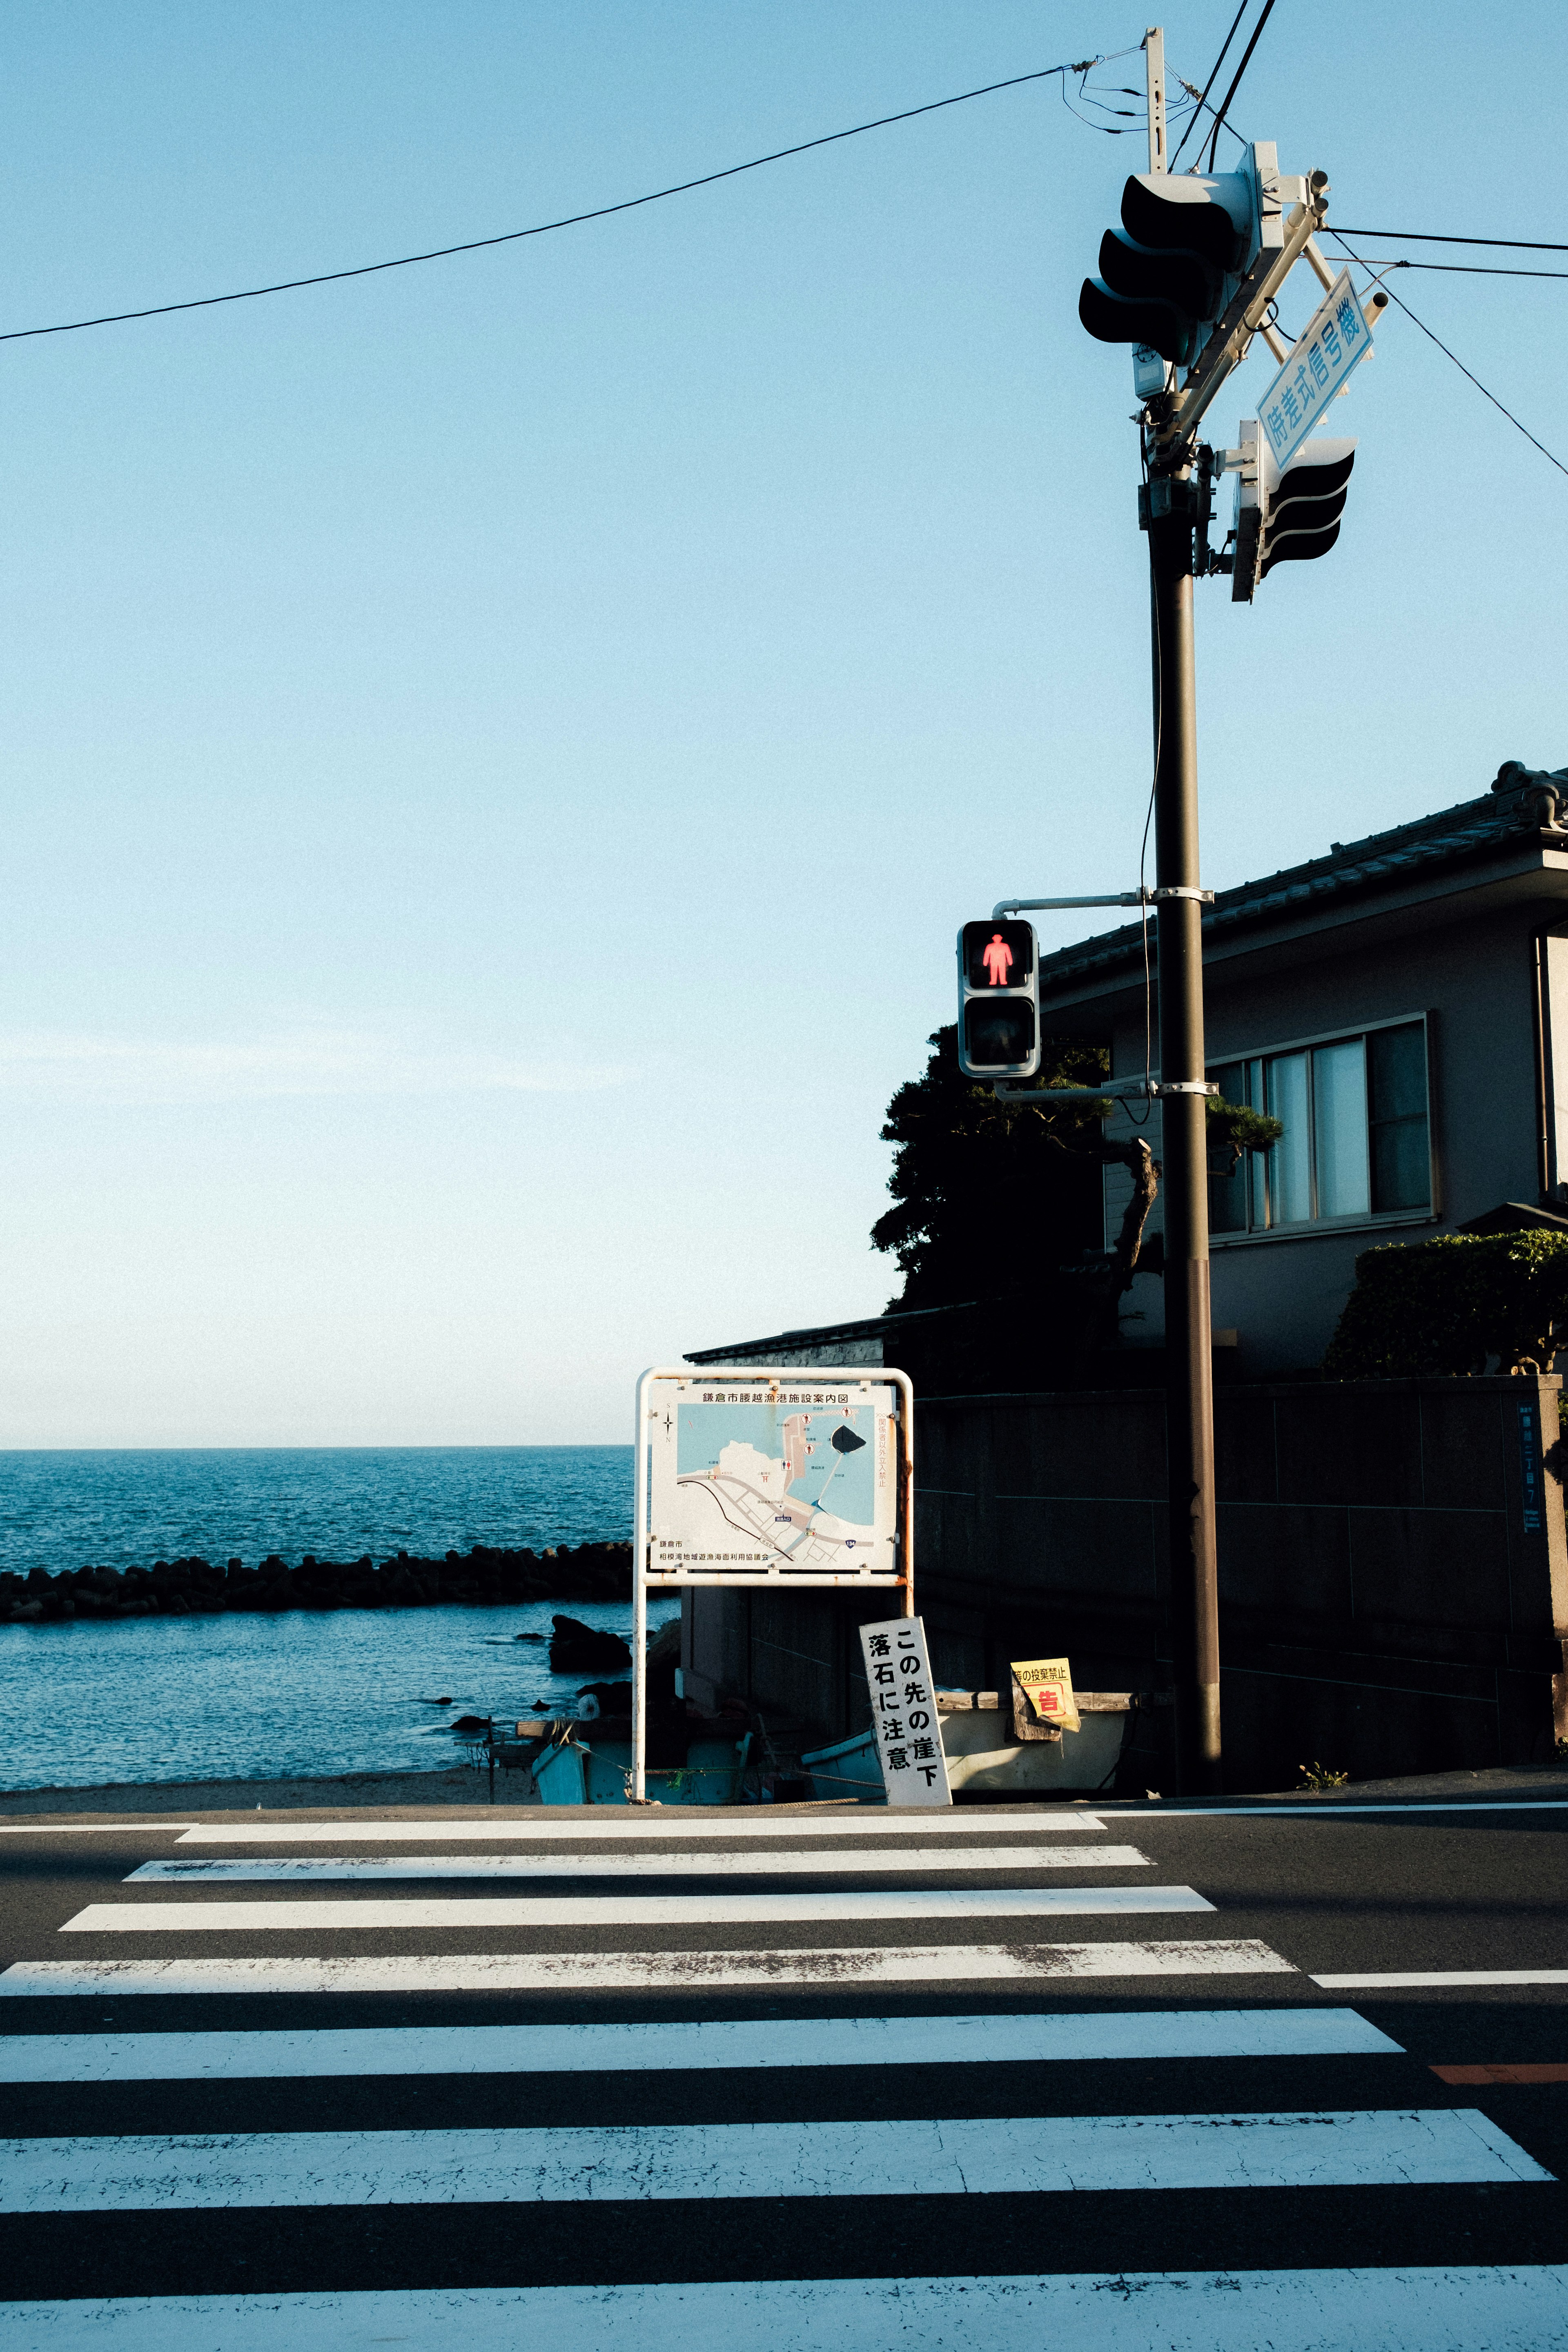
<point x="984" y="1753"/>
<point x="591" y="1764"/>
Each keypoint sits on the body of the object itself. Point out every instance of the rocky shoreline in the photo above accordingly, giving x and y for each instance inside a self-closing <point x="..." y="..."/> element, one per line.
<point x="483" y="1577"/>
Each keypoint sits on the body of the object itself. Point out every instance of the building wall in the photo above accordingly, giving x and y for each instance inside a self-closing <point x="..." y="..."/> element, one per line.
<point x="1393" y="1572"/>
<point x="1475" y="982"/>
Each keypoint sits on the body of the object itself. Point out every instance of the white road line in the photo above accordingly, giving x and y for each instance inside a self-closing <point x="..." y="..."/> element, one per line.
<point x="841" y="1863"/>
<point x="653" y="2048"/>
<point x="1443" y="1977"/>
<point x="968" y="2155"/>
<point x="150" y="1824"/>
<point x="747" y="1825"/>
<point x="1392" y="1805"/>
<point x="470" y="1911"/>
<point x="1521" y="2308"/>
<point x="828" y="1966"/>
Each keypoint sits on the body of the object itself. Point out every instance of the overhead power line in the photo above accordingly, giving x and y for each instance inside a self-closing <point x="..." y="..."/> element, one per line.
<point x="571" y="220"/>
<point x="1428" y="236"/>
<point x="1214" y="74"/>
<point x="1472" y="269"/>
<point x="1236" y="85"/>
<point x="1340" y="236"/>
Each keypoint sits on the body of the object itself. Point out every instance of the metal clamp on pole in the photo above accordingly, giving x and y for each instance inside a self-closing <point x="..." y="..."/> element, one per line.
<point x="1182" y="890"/>
<point x="1117" y="1090"/>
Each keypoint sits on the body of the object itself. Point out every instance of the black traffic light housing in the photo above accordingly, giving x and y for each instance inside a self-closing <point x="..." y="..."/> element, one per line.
<point x="1288" y="514"/>
<point x="998" y="999"/>
<point x="1167" y="274"/>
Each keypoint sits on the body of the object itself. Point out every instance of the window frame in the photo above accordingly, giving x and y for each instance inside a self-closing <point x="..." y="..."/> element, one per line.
<point x="1359" y="1221"/>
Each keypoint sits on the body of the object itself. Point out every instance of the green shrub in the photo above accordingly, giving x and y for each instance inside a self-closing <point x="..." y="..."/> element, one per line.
<point x="1451" y="1305"/>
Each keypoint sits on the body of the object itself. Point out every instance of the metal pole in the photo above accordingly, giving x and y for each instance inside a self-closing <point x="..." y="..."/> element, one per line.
<point x="1154" y="76"/>
<point x="639" y="1595"/>
<point x="1189" y="1397"/>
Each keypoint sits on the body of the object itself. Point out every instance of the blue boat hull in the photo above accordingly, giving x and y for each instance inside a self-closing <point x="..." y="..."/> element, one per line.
<point x="580" y="1773"/>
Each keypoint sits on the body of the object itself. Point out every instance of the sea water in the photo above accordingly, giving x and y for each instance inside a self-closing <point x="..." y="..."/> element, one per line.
<point x="123" y="1509"/>
<point x="291" y="1696"/>
<point x="302" y="1692"/>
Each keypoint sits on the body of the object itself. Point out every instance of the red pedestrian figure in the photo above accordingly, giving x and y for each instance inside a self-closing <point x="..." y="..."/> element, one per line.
<point x="997" y="958"/>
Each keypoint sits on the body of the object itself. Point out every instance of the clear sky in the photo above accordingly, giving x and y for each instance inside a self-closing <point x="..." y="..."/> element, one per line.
<point x="498" y="752"/>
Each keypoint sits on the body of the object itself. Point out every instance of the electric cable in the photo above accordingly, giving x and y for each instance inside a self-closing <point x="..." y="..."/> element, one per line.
<point x="571" y="220"/>
<point x="1430" y="237"/>
<point x="1209" y="85"/>
<point x="1339" y="237"/>
<point x="1236" y="85"/>
<point x="1474" y="270"/>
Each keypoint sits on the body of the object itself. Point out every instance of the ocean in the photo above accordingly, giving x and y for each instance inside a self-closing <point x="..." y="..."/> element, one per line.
<point x="124" y="1509"/>
<point x="293" y="1695"/>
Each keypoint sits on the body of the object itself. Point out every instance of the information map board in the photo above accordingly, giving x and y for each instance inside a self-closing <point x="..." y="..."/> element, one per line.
<point x="776" y="1476"/>
<point x="770" y="1475"/>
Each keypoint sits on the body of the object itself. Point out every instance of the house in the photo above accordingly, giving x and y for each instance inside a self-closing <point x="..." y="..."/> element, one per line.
<point x="1400" y="1005"/>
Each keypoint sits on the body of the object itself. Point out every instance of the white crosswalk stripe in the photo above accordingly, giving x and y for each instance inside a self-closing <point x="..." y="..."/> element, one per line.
<point x="707" y="1823"/>
<point x="319" y="1869"/>
<point x="265" y="2055"/>
<point x="966" y="2157"/>
<point x="617" y="2105"/>
<point x="1487" y="2308"/>
<point x="269" y="1917"/>
<point x="845" y="1965"/>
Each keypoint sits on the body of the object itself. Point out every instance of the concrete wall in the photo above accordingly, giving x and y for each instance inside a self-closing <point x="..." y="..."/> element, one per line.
<point x="1393" y="1572"/>
<point x="1474" y="981"/>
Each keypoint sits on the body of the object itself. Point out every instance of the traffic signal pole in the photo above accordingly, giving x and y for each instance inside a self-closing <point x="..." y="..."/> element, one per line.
<point x="1189" y="281"/>
<point x="1189" y="1362"/>
<point x="1189" y="1382"/>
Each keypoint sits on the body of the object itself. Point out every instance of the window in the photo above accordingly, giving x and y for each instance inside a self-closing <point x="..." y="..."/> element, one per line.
<point x="1355" y="1144"/>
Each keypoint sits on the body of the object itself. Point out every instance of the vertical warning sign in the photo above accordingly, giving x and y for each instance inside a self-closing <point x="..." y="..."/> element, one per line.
<point x="903" y="1712"/>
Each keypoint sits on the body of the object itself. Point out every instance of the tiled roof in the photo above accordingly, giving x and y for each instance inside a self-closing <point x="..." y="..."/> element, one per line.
<point x="819" y="1334"/>
<point x="1523" y="805"/>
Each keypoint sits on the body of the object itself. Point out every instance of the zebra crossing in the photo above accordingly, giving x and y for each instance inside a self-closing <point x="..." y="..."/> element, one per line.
<point x="269" y="2101"/>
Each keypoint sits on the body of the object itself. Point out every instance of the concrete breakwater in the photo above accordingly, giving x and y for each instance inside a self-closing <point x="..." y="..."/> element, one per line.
<point x="482" y="1577"/>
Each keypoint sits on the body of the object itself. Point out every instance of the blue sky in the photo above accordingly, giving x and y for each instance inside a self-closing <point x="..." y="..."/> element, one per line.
<point x="498" y="752"/>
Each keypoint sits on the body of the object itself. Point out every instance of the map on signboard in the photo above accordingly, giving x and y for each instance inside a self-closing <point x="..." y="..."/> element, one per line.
<point x="763" y="1478"/>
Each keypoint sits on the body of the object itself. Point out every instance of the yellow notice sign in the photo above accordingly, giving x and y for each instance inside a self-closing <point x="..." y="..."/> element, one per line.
<point x="1048" y="1683"/>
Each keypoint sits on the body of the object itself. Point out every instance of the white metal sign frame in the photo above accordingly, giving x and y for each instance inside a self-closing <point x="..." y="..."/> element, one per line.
<point x="767" y="1381"/>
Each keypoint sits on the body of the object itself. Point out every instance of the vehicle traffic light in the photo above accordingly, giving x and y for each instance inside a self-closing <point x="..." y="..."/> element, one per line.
<point x="998" y="1013"/>
<point x="1290" y="514"/>
<point x="1183" y="246"/>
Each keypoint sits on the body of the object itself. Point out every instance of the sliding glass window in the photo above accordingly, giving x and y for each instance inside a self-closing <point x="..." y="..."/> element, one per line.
<point x="1356" y="1143"/>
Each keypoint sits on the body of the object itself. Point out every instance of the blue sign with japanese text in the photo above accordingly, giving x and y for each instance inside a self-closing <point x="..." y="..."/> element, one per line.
<point x="1337" y="340"/>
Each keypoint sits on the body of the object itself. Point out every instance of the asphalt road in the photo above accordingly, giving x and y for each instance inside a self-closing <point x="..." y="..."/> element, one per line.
<point x="1052" y="2173"/>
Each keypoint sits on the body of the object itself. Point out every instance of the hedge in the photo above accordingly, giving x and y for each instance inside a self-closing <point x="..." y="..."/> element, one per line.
<point x="1452" y="1304"/>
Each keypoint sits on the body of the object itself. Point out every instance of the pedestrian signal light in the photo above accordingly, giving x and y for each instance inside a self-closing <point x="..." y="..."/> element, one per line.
<point x="1168" y="272"/>
<point x="998" y="1014"/>
<point x="1285" y="515"/>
